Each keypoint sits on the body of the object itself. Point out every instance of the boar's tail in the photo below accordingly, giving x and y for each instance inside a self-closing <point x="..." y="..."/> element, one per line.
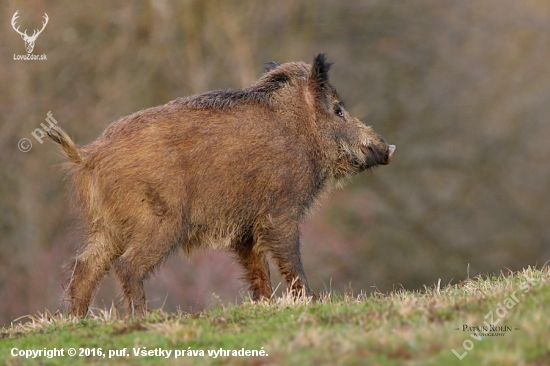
<point x="67" y="144"/>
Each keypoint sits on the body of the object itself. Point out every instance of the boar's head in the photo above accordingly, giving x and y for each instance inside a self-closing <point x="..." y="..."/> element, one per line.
<point x="352" y="146"/>
<point x="347" y="145"/>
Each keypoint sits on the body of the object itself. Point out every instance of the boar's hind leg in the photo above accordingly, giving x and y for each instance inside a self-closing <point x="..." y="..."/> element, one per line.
<point x="257" y="271"/>
<point x="142" y="256"/>
<point x="89" y="269"/>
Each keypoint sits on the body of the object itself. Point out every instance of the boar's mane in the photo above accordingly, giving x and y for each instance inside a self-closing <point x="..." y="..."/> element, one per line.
<point x="276" y="77"/>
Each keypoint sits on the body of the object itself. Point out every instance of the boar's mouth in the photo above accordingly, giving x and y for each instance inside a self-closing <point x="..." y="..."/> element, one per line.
<point x="369" y="156"/>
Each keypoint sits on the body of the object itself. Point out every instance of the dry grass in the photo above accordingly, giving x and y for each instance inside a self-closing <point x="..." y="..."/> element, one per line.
<point x="400" y="327"/>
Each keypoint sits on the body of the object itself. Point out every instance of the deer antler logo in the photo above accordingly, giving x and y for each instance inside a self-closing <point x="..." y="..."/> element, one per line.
<point x="29" y="41"/>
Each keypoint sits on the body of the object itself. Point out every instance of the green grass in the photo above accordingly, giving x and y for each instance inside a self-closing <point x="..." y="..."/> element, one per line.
<point x="400" y="328"/>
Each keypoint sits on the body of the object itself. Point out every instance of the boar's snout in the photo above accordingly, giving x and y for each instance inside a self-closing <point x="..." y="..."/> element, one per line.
<point x="377" y="152"/>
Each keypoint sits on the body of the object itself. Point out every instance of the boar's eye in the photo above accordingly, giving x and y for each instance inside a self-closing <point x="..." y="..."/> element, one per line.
<point x="338" y="110"/>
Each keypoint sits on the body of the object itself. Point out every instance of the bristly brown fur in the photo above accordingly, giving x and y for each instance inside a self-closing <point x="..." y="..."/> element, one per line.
<point x="231" y="169"/>
<point x="223" y="99"/>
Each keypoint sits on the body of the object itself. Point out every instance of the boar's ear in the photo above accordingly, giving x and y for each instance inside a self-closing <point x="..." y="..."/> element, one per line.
<point x="272" y="65"/>
<point x="319" y="73"/>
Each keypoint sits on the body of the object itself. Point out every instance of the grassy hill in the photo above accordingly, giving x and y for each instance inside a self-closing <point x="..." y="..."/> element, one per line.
<point x="439" y="326"/>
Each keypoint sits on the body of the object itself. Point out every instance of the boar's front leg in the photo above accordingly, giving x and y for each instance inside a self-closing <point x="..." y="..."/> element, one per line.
<point x="282" y="240"/>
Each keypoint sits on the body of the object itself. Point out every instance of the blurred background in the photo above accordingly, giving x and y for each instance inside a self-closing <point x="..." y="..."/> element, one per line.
<point x="461" y="87"/>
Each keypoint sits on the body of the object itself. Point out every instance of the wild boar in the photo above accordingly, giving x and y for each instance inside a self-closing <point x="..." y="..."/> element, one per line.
<point x="228" y="169"/>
